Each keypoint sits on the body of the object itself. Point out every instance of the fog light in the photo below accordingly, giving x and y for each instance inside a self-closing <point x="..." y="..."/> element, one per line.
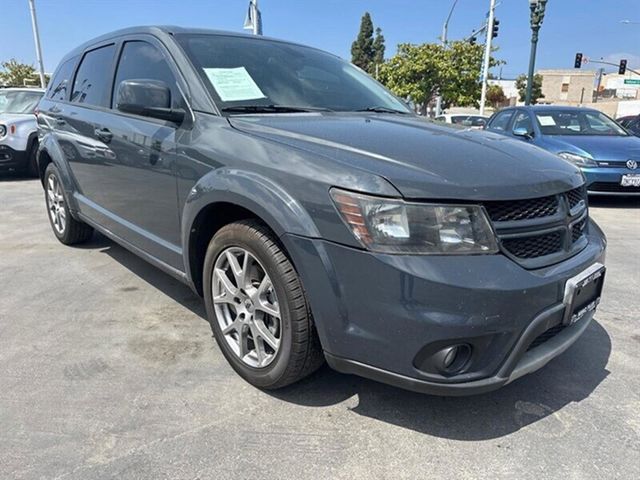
<point x="452" y="359"/>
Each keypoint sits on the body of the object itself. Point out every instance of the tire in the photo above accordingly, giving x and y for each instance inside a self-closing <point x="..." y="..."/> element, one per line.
<point x="66" y="228"/>
<point x="298" y="352"/>
<point x="32" y="162"/>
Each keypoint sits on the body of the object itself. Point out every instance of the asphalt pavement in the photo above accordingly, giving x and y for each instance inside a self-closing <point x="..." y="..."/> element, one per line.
<point x="108" y="370"/>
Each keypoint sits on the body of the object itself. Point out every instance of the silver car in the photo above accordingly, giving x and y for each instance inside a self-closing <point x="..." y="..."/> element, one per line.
<point x="18" y="129"/>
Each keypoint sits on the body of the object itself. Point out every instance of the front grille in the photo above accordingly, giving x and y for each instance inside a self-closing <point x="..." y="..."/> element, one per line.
<point x="539" y="231"/>
<point x="612" y="187"/>
<point x="546" y="335"/>
<point x="533" y="247"/>
<point x="575" y="196"/>
<point x="522" y="209"/>
<point x="578" y="229"/>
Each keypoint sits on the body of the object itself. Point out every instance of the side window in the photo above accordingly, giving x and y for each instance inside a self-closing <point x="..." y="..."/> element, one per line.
<point x="58" y="86"/>
<point x="141" y="60"/>
<point x="93" y="77"/>
<point x="501" y="121"/>
<point x="523" y="120"/>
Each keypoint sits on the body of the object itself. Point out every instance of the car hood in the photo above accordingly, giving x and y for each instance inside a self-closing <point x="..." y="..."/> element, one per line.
<point x="420" y="159"/>
<point x="598" y="147"/>
<point x="13" y="118"/>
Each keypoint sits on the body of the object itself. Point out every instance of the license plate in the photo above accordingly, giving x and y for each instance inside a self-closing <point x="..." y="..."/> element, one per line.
<point x="582" y="293"/>
<point x="630" y="180"/>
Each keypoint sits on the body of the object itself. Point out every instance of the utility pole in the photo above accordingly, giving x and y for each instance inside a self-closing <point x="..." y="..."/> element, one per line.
<point x="487" y="55"/>
<point x="445" y="28"/>
<point x="537" y="8"/>
<point x="36" y="39"/>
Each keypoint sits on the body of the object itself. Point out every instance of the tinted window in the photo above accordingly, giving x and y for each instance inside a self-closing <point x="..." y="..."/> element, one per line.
<point x="60" y="81"/>
<point x="523" y="120"/>
<point x="501" y="120"/>
<point x="93" y="77"/>
<point x="141" y="60"/>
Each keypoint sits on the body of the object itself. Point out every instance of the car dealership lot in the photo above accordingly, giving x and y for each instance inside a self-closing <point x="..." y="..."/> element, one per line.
<point x="108" y="369"/>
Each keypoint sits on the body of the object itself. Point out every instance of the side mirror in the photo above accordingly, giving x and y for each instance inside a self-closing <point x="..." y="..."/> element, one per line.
<point x="523" y="132"/>
<point x="148" y="98"/>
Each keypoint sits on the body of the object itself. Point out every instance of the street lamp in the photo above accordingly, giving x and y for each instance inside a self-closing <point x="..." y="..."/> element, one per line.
<point x="445" y="28"/>
<point x="537" y="8"/>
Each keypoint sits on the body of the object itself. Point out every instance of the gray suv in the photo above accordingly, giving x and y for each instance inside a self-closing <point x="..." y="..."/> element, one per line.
<point x="318" y="217"/>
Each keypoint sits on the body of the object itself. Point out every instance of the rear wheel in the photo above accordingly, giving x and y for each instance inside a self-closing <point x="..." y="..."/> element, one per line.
<point x="66" y="228"/>
<point x="257" y="308"/>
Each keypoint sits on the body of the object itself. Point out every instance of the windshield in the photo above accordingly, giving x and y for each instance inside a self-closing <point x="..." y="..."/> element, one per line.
<point x="18" y="101"/>
<point x="248" y="72"/>
<point x="576" y="122"/>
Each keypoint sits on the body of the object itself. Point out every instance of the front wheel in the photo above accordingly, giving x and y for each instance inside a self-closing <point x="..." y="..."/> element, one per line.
<point x="257" y="308"/>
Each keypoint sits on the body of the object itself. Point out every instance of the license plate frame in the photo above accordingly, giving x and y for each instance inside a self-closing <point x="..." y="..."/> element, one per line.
<point x="587" y="283"/>
<point x="630" y="180"/>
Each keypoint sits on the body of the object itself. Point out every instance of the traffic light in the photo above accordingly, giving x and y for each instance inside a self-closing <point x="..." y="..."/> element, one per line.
<point x="623" y="67"/>
<point x="472" y="40"/>
<point x="496" y="25"/>
<point x="578" y="62"/>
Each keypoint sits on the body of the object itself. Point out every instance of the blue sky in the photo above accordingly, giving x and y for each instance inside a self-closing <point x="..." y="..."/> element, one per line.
<point x="590" y="26"/>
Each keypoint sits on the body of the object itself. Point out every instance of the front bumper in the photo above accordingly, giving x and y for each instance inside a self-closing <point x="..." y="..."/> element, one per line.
<point x="380" y="316"/>
<point x="606" y="181"/>
<point x="11" y="159"/>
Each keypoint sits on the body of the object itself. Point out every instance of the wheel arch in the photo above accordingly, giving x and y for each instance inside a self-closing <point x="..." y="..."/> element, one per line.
<point x="49" y="152"/>
<point x="225" y="196"/>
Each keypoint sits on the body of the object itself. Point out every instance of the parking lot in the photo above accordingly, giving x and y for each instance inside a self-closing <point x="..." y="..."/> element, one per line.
<point x="108" y="370"/>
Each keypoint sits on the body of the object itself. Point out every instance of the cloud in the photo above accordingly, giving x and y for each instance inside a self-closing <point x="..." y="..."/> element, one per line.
<point x="633" y="60"/>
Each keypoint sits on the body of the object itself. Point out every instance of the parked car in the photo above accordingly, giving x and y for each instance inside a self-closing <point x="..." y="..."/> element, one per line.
<point x="18" y="129"/>
<point x="606" y="153"/>
<point x="631" y="123"/>
<point x="471" y="121"/>
<point x="317" y="216"/>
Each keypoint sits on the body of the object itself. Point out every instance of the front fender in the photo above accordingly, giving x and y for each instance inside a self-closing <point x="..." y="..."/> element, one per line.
<point x="249" y="190"/>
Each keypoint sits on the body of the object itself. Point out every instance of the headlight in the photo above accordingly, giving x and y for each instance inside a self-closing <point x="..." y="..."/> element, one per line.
<point x="579" y="160"/>
<point x="394" y="226"/>
<point x="3" y="130"/>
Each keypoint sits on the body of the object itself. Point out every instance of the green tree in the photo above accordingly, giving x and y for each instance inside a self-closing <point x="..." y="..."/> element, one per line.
<point x="362" y="50"/>
<point x="495" y="96"/>
<point x="536" y="88"/>
<point x="378" y="48"/>
<point x="15" y="73"/>
<point x="423" y="71"/>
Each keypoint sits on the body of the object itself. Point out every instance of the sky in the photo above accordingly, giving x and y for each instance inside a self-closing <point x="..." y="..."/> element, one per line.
<point x="589" y="26"/>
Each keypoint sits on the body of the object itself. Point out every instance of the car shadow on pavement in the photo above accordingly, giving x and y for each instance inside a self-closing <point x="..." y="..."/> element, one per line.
<point x="570" y="378"/>
<point x="155" y="277"/>
<point x="602" y="201"/>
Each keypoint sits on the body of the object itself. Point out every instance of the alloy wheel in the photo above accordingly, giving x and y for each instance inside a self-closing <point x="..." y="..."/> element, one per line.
<point x="55" y="198"/>
<point x="246" y="307"/>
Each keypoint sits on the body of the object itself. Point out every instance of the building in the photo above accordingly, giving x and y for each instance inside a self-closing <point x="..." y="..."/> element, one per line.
<point x="508" y="87"/>
<point x="567" y="86"/>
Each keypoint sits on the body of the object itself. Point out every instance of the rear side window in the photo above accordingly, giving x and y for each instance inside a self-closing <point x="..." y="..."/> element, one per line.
<point x="60" y="81"/>
<point x="141" y="60"/>
<point x="501" y="120"/>
<point x="93" y="77"/>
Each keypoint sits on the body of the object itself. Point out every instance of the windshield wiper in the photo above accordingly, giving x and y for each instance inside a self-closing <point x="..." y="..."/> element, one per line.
<point x="379" y="109"/>
<point x="272" y="109"/>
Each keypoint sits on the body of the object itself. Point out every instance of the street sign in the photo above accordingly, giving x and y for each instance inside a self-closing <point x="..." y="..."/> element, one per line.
<point x="632" y="81"/>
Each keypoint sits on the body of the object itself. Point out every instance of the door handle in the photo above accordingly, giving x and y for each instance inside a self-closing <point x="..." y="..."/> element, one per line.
<point x="103" y="134"/>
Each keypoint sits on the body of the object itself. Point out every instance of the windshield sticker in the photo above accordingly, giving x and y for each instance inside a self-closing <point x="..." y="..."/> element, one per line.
<point x="233" y="84"/>
<point x="546" y="121"/>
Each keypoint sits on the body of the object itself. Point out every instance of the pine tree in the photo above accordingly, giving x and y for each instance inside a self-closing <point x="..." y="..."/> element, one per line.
<point x="362" y="52"/>
<point x="378" y="48"/>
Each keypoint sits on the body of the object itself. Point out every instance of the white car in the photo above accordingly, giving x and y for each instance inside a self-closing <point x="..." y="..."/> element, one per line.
<point x="18" y="129"/>
<point x="464" y="119"/>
